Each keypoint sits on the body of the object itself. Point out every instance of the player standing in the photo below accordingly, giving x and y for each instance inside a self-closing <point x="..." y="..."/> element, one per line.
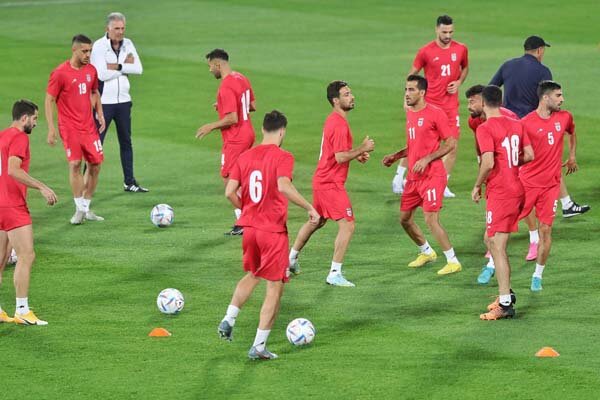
<point x="541" y="178"/>
<point x="330" y="198"/>
<point x="504" y="147"/>
<point x="73" y="89"/>
<point x="15" y="221"/>
<point x="235" y="102"/>
<point x="446" y="65"/>
<point x="263" y="176"/>
<point x="426" y="128"/>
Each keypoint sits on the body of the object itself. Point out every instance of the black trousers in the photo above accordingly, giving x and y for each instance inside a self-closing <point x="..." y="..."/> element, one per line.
<point x="121" y="114"/>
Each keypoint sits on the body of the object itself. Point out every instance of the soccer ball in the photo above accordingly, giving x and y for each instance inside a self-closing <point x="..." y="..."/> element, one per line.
<point x="162" y="215"/>
<point x="300" y="332"/>
<point x="170" y="301"/>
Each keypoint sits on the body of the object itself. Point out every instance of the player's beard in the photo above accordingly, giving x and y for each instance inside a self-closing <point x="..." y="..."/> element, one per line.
<point x="348" y="107"/>
<point x="28" y="128"/>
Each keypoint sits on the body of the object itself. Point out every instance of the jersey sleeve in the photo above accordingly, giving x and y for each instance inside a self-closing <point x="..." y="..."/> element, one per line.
<point x="464" y="63"/>
<point x="235" y="172"/>
<point x="94" y="77"/>
<point x="526" y="141"/>
<point x="570" y="128"/>
<point x="54" y="84"/>
<point x="19" y="147"/>
<point x="472" y="124"/>
<point x="441" y="123"/>
<point x="484" y="140"/>
<point x="340" y="139"/>
<point x="285" y="166"/>
<point x="419" y="61"/>
<point x="227" y="101"/>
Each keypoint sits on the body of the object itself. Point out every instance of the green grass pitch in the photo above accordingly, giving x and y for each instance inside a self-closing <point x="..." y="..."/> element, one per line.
<point x="399" y="333"/>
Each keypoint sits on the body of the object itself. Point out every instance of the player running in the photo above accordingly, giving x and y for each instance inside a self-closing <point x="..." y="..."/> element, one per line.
<point x="263" y="177"/>
<point x="446" y="65"/>
<point x="426" y="128"/>
<point x="330" y="198"/>
<point x="15" y="221"/>
<point x="504" y="147"/>
<point x="235" y="102"/>
<point x="73" y="89"/>
<point x="546" y="127"/>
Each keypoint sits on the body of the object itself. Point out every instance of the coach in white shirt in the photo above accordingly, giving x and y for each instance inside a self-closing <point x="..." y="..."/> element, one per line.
<point x="115" y="57"/>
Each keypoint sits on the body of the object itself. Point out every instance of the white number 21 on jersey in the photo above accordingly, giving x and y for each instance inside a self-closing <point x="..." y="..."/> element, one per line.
<point x="245" y="104"/>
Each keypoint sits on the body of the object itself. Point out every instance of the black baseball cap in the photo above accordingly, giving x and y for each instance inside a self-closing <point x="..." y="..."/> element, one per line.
<point x="534" y="42"/>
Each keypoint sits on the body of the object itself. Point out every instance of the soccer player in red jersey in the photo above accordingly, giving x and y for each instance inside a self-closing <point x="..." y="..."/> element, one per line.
<point x="235" y="102"/>
<point x="446" y="65"/>
<point x="260" y="184"/>
<point x="426" y="128"/>
<point x="546" y="127"/>
<point x="15" y="221"/>
<point x="73" y="89"/>
<point x="504" y="147"/>
<point x="329" y="193"/>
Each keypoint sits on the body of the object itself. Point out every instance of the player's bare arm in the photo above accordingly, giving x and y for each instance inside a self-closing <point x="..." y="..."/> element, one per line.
<point x="486" y="166"/>
<point x="97" y="104"/>
<point x="17" y="173"/>
<point x="367" y="146"/>
<point x="231" y="193"/>
<point x="287" y="188"/>
<point x="571" y="162"/>
<point x="253" y="106"/>
<point x="50" y="109"/>
<point x="390" y="159"/>
<point x="226" y="121"/>
<point x="446" y="147"/>
<point x="454" y="85"/>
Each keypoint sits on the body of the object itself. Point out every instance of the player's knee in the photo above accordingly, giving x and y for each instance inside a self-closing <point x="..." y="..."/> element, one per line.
<point x="75" y="166"/>
<point x="432" y="220"/>
<point x="405" y="220"/>
<point x="545" y="230"/>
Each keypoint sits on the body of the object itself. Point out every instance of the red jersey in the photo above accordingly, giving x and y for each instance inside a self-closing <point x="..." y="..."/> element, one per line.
<point x="13" y="143"/>
<point x="442" y="66"/>
<point x="235" y="95"/>
<point x="337" y="138"/>
<point x="72" y="89"/>
<point x="425" y="129"/>
<point x="505" y="138"/>
<point x="257" y="170"/>
<point x="475" y="122"/>
<point x="546" y="136"/>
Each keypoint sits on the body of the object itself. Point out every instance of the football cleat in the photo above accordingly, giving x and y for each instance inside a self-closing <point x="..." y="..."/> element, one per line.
<point x="235" y="231"/>
<point x="448" y="193"/>
<point x="536" y="284"/>
<point x="91" y="216"/>
<point x="450" y="268"/>
<point x="28" y="319"/>
<point x="339" y="280"/>
<point x="265" y="354"/>
<point x="575" y="210"/>
<point x="532" y="253"/>
<point x="294" y="267"/>
<point x="498" y="313"/>
<point x="398" y="184"/>
<point x="423" y="259"/>
<point x="225" y="330"/>
<point x="134" y="188"/>
<point x="77" y="218"/>
<point x="5" y="318"/>
<point x="485" y="275"/>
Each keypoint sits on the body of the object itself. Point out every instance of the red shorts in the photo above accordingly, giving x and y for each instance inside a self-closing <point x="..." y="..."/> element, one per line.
<point x="502" y="215"/>
<point x="427" y="193"/>
<point x="333" y="204"/>
<point x="229" y="155"/>
<point x="83" y="145"/>
<point x="265" y="254"/>
<point x="14" y="217"/>
<point x="545" y="201"/>
<point x="453" y="122"/>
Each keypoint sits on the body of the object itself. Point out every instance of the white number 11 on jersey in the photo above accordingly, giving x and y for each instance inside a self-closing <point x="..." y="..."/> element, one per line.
<point x="246" y="104"/>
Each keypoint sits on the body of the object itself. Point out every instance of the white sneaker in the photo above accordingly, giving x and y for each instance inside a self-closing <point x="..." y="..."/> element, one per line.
<point x="77" y="218"/>
<point x="398" y="184"/>
<point x="448" y="193"/>
<point x="91" y="216"/>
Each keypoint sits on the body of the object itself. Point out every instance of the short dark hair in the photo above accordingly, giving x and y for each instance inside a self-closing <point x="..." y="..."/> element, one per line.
<point x="82" y="39"/>
<point x="492" y="96"/>
<point x="421" y="81"/>
<point x="274" y="121"/>
<point x="217" y="53"/>
<point x="546" y="86"/>
<point x="444" y="20"/>
<point x="23" y="107"/>
<point x="474" y="90"/>
<point x="333" y="90"/>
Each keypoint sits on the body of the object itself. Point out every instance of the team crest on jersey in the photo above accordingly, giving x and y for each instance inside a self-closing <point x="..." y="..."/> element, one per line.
<point x="420" y="121"/>
<point x="349" y="212"/>
<point x="557" y="126"/>
<point x="88" y="77"/>
<point x="453" y="56"/>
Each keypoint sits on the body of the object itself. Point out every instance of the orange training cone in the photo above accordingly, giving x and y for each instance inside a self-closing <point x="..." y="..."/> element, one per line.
<point x="159" y="332"/>
<point x="547" y="352"/>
